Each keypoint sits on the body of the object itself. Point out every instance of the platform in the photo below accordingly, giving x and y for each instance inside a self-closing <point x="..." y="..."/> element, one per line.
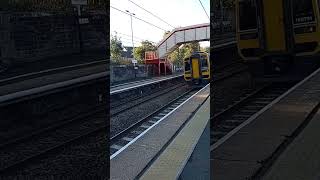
<point x="249" y="152"/>
<point x="301" y="160"/>
<point x="34" y="82"/>
<point x="173" y="133"/>
<point x="52" y="63"/>
<point x="131" y="85"/>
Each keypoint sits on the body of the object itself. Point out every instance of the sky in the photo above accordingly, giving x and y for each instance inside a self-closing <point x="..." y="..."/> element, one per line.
<point x="177" y="13"/>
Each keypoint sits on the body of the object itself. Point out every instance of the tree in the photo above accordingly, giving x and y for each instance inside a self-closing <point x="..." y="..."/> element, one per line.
<point x="177" y="56"/>
<point x="205" y="49"/>
<point x="139" y="52"/>
<point x="115" y="48"/>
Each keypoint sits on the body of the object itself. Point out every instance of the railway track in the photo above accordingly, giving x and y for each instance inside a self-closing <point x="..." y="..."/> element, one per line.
<point x="118" y="108"/>
<point x="240" y="112"/>
<point x="17" y="153"/>
<point x="127" y="136"/>
<point x="228" y="70"/>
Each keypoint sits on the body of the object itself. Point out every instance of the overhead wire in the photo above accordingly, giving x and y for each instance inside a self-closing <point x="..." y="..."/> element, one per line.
<point x="151" y="13"/>
<point x="139" y="18"/>
<point x="134" y="37"/>
<point x="204" y="10"/>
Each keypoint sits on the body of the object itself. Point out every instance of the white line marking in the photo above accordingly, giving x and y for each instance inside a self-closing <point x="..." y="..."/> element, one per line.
<point x="144" y="84"/>
<point x="253" y="117"/>
<point x="136" y="138"/>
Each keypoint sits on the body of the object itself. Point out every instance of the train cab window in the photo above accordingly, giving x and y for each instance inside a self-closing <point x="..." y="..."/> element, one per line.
<point x="247" y="15"/>
<point x="187" y="66"/>
<point x="204" y="63"/>
<point x="302" y="11"/>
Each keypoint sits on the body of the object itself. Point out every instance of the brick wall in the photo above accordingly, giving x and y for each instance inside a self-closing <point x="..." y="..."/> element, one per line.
<point x="27" y="37"/>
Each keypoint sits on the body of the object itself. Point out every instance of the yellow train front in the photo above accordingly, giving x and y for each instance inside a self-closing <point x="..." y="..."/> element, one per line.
<point x="277" y="30"/>
<point x="197" y="69"/>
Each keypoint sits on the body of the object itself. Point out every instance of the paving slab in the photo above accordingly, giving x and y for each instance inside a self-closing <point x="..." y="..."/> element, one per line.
<point x="237" y="170"/>
<point x="301" y="159"/>
<point x="258" y="140"/>
<point x="170" y="164"/>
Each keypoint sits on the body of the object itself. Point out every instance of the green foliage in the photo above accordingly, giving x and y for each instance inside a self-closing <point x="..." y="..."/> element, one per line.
<point x="115" y="49"/>
<point x="139" y="52"/>
<point x="205" y="49"/>
<point x="177" y="56"/>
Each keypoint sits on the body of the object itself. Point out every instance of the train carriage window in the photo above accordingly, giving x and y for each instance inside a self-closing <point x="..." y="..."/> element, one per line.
<point x="247" y="14"/>
<point x="302" y="11"/>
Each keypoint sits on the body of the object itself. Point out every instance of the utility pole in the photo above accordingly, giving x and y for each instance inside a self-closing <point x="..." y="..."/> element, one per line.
<point x="131" y="14"/>
<point x="134" y="64"/>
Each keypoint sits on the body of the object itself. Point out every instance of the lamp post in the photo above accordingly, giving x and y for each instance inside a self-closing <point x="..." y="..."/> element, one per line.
<point x="131" y="14"/>
<point x="134" y="64"/>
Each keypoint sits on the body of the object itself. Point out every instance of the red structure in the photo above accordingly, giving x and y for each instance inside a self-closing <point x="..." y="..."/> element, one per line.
<point x="159" y="66"/>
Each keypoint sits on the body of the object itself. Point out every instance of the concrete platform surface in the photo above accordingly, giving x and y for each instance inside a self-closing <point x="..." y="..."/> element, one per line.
<point x="301" y="159"/>
<point x="136" y="157"/>
<point x="50" y="79"/>
<point x="173" y="159"/>
<point x="245" y="152"/>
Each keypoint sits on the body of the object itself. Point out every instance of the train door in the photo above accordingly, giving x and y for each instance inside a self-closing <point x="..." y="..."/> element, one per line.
<point x="274" y="26"/>
<point x="195" y="68"/>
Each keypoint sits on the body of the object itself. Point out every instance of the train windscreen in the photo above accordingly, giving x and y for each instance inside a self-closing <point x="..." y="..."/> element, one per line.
<point x="187" y="66"/>
<point x="302" y="11"/>
<point x="247" y="15"/>
<point x="204" y="63"/>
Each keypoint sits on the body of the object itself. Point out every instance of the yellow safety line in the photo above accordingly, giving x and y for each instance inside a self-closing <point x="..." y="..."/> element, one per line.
<point x="171" y="162"/>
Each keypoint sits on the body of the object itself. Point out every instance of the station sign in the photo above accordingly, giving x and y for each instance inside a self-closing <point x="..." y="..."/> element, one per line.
<point x="79" y="2"/>
<point x="134" y="61"/>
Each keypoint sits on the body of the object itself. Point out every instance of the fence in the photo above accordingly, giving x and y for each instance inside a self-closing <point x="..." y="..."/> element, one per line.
<point x="123" y="73"/>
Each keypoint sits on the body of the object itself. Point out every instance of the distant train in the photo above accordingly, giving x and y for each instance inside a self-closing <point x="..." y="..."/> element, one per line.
<point x="277" y="29"/>
<point x="197" y="69"/>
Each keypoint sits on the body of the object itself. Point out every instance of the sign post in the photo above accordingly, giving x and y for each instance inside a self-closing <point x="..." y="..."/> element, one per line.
<point x="78" y="4"/>
<point x="134" y="62"/>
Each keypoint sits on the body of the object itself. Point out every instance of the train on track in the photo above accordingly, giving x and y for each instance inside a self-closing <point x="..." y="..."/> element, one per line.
<point x="277" y="31"/>
<point x="197" y="69"/>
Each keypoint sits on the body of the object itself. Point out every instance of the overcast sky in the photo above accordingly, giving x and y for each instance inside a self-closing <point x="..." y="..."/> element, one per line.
<point x="178" y="13"/>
